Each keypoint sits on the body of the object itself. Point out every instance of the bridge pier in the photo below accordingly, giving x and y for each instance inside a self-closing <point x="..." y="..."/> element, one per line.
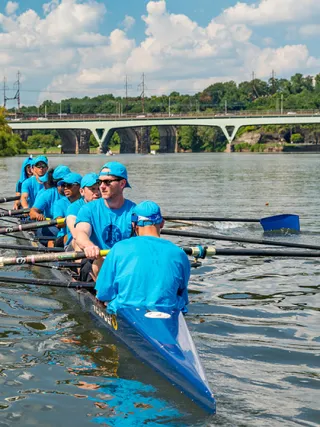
<point x="168" y="139"/>
<point x="75" y="141"/>
<point x="129" y="141"/>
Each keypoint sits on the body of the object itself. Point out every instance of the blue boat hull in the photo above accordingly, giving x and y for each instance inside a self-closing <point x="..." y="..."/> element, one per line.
<point x="166" y="345"/>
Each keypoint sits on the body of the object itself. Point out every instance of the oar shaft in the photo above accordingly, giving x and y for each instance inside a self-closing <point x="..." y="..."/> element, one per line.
<point x="47" y="282"/>
<point x="29" y="248"/>
<point x="32" y="226"/>
<point x="209" y="251"/>
<point x="12" y="212"/>
<point x="33" y="259"/>
<point x="9" y="199"/>
<point x="207" y="218"/>
<point x="207" y="236"/>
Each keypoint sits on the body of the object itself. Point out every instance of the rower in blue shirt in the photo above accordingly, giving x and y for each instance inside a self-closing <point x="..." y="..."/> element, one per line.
<point x="89" y="190"/>
<point x="103" y="222"/>
<point x="71" y="185"/>
<point x="43" y="205"/>
<point x="26" y="172"/>
<point x="145" y="271"/>
<point x="32" y="186"/>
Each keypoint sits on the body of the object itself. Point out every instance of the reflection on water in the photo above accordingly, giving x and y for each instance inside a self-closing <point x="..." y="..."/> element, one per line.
<point x="255" y="321"/>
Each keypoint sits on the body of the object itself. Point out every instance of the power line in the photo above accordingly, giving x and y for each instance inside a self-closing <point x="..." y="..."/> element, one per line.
<point x="143" y="88"/>
<point x="16" y="96"/>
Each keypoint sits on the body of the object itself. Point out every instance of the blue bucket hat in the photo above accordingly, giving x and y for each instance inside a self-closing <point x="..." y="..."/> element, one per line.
<point x="40" y="159"/>
<point x="44" y="178"/>
<point x="89" y="179"/>
<point x="71" y="178"/>
<point x="147" y="213"/>
<point x="60" y="172"/>
<point x="115" y="169"/>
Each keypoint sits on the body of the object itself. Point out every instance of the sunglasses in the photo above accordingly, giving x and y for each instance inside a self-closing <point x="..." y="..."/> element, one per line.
<point x="69" y="185"/>
<point x="108" y="182"/>
<point x="41" y="165"/>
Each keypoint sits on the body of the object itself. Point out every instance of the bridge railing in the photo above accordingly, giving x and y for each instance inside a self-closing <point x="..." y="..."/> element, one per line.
<point x="166" y="116"/>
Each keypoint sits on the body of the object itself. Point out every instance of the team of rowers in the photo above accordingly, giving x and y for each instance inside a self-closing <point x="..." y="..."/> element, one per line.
<point x="144" y="272"/>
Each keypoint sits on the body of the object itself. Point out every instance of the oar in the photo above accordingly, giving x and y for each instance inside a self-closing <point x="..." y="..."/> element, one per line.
<point x="32" y="226"/>
<point x="206" y="236"/>
<point x="6" y="245"/>
<point x="33" y="259"/>
<point x="12" y="212"/>
<point x="9" y="199"/>
<point x="210" y="251"/>
<point x="270" y="223"/>
<point x="47" y="282"/>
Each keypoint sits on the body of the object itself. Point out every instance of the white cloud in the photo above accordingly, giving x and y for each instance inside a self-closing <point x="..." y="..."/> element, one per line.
<point x="310" y="30"/>
<point x="128" y="22"/>
<point x="268" y="12"/>
<point x="63" y="49"/>
<point x="11" y="7"/>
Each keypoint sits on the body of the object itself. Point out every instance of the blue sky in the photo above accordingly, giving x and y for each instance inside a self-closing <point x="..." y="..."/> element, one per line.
<point x="82" y="48"/>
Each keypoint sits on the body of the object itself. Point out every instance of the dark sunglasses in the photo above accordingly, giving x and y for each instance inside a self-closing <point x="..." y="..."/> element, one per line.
<point x="108" y="182"/>
<point x="41" y="165"/>
<point x="69" y="185"/>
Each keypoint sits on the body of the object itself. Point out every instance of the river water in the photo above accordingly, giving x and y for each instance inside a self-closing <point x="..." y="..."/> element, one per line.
<point x="254" y="320"/>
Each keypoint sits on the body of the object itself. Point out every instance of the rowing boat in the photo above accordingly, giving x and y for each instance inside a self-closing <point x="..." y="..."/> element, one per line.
<point x="161" y="339"/>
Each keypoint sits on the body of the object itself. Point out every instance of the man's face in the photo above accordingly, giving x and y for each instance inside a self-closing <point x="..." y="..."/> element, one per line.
<point x="71" y="190"/>
<point x="111" y="186"/>
<point x="29" y="171"/>
<point x="90" y="193"/>
<point x="40" y="168"/>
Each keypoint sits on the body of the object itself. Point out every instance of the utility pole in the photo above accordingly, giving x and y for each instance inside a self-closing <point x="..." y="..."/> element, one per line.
<point x="273" y="82"/>
<point x="254" y="89"/>
<point x="225" y="107"/>
<point x="127" y="87"/>
<point x="281" y="104"/>
<point x="4" y="92"/>
<point x="169" y="106"/>
<point x="17" y="95"/>
<point x="142" y="86"/>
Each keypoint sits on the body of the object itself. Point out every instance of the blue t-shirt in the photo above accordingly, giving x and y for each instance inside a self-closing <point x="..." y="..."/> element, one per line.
<point x="45" y="200"/>
<point x="74" y="208"/>
<point x="147" y="272"/>
<point x="32" y="187"/>
<point x="60" y="208"/>
<point x="109" y="226"/>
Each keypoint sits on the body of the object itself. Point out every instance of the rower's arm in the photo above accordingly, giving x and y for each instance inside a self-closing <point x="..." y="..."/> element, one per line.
<point x="82" y="239"/>
<point x="24" y="200"/>
<point x="71" y="220"/>
<point x="17" y="203"/>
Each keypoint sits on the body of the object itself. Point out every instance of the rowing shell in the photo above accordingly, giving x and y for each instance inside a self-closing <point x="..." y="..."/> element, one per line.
<point x="160" y="339"/>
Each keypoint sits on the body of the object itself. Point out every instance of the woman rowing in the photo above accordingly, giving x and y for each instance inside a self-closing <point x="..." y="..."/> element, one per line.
<point x="26" y="172"/>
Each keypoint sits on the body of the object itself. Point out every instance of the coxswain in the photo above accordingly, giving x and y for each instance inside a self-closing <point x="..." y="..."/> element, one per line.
<point x="146" y="271"/>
